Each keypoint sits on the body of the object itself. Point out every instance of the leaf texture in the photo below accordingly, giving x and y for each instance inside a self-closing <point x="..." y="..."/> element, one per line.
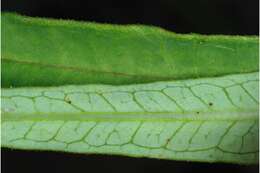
<point x="209" y="119"/>
<point x="55" y="52"/>
<point x="128" y="90"/>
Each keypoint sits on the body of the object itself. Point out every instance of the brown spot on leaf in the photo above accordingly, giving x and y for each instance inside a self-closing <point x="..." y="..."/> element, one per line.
<point x="67" y="100"/>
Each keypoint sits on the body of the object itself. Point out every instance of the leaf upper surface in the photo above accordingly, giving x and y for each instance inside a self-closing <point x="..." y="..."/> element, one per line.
<point x="87" y="53"/>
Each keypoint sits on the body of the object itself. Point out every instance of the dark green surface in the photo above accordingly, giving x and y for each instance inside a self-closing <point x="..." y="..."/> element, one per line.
<point x="41" y="52"/>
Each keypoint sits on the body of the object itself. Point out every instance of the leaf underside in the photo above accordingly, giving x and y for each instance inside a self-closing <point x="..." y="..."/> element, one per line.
<point x="209" y="119"/>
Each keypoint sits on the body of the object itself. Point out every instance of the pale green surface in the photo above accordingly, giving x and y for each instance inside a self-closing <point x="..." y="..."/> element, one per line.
<point x="209" y="119"/>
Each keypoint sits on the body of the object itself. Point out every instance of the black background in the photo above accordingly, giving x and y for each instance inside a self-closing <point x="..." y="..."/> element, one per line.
<point x="232" y="17"/>
<point x="182" y="16"/>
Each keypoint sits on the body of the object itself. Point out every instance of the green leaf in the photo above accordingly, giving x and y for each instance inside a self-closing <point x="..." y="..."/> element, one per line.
<point x="51" y="52"/>
<point x="129" y="90"/>
<point x="210" y="119"/>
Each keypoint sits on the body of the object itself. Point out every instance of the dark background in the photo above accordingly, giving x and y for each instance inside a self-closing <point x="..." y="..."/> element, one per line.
<point x="182" y="16"/>
<point x="233" y="17"/>
<point x="17" y="161"/>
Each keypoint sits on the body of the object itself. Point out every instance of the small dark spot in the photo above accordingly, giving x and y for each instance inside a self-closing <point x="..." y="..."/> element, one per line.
<point x="197" y="112"/>
<point x="211" y="104"/>
<point x="168" y="141"/>
<point x="68" y="100"/>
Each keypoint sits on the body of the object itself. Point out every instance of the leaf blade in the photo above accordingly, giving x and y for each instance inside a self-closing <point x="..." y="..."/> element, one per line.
<point x="86" y="53"/>
<point x="219" y="133"/>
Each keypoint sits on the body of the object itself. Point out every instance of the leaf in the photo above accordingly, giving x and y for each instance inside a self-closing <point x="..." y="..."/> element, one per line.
<point x="55" y="52"/>
<point x="128" y="90"/>
<point x="200" y="120"/>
